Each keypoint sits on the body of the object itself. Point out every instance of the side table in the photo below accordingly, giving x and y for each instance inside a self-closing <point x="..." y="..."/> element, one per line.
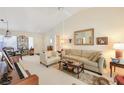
<point x="113" y="64"/>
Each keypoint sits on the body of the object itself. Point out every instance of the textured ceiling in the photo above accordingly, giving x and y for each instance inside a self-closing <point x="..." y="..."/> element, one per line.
<point x="38" y="19"/>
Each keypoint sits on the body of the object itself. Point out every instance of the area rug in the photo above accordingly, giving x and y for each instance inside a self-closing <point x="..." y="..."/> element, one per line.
<point x="84" y="77"/>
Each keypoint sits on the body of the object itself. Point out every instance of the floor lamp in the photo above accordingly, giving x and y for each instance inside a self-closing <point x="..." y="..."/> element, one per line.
<point x="118" y="50"/>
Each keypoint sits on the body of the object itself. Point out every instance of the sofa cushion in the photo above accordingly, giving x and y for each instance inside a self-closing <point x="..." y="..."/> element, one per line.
<point x="54" y="53"/>
<point x="87" y="62"/>
<point x="67" y="51"/>
<point x="70" y="57"/>
<point x="94" y="57"/>
<point x="86" y="53"/>
<point x="93" y="54"/>
<point x="75" y="52"/>
<point x="91" y="63"/>
<point x="51" y="54"/>
<point x="97" y="56"/>
<point x="52" y="60"/>
<point x="90" y="58"/>
<point x="81" y="59"/>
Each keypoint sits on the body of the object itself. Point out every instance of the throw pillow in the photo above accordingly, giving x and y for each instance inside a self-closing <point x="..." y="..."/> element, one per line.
<point x="92" y="56"/>
<point x="96" y="57"/>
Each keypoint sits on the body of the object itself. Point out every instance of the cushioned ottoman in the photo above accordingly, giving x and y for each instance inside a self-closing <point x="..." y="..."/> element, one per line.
<point x="119" y="79"/>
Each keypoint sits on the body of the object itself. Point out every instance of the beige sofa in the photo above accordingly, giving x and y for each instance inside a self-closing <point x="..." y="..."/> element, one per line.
<point x="92" y="60"/>
<point x="49" y="57"/>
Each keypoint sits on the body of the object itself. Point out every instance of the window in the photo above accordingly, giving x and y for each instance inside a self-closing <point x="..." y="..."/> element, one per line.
<point x="8" y="42"/>
<point x="1" y="42"/>
<point x="30" y="42"/>
<point x="12" y="42"/>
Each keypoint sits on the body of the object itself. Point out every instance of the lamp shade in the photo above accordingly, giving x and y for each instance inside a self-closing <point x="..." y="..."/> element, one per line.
<point x="118" y="46"/>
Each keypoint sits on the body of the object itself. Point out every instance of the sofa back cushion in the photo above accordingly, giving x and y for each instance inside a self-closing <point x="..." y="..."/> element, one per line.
<point x="90" y="54"/>
<point x="95" y="56"/>
<point x="87" y="53"/>
<point x="67" y="51"/>
<point x="75" y="52"/>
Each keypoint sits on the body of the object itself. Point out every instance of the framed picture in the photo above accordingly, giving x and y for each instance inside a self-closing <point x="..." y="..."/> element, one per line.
<point x="78" y="41"/>
<point x="49" y="48"/>
<point x="22" y="42"/>
<point x="102" y="40"/>
<point x="84" y="37"/>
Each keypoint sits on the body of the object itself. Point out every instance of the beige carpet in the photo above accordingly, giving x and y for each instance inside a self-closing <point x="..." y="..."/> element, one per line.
<point x="53" y="76"/>
<point x="48" y="76"/>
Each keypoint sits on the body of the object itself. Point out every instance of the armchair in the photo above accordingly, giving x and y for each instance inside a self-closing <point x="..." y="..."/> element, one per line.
<point x="49" y="57"/>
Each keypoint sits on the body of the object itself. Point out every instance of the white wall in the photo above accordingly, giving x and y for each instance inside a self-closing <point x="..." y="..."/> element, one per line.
<point x="46" y="39"/>
<point x="37" y="38"/>
<point x="106" y="22"/>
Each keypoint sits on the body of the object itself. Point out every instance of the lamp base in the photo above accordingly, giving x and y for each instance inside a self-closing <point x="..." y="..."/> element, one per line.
<point x="118" y="54"/>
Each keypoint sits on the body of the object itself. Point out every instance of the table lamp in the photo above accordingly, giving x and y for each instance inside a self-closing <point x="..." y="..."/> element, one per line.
<point x="118" y="47"/>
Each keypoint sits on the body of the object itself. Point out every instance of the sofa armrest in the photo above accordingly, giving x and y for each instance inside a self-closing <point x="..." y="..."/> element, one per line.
<point x="56" y="54"/>
<point x="43" y="57"/>
<point x="101" y="63"/>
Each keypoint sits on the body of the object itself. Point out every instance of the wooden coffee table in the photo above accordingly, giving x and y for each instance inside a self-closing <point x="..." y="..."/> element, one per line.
<point x="76" y="67"/>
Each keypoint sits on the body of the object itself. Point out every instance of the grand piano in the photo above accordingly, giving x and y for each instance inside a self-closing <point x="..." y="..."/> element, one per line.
<point x="19" y="75"/>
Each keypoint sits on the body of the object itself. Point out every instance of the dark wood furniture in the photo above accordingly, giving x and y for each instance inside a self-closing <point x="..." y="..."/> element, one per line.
<point x="49" y="48"/>
<point x="113" y="64"/>
<point x="18" y="53"/>
<point x="60" y="53"/>
<point x="30" y="80"/>
<point x="75" y="67"/>
<point x="24" y="52"/>
<point x="31" y="51"/>
<point x="9" y="50"/>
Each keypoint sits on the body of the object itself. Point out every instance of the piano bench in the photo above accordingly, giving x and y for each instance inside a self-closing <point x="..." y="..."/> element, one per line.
<point x="31" y="80"/>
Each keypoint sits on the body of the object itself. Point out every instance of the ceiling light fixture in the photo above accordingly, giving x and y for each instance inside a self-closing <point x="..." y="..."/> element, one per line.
<point x="8" y="33"/>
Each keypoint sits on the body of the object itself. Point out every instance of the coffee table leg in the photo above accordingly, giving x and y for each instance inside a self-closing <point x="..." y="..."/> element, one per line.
<point x="59" y="65"/>
<point x="78" y="72"/>
<point x="114" y="68"/>
<point x="83" y="68"/>
<point x="110" y="70"/>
